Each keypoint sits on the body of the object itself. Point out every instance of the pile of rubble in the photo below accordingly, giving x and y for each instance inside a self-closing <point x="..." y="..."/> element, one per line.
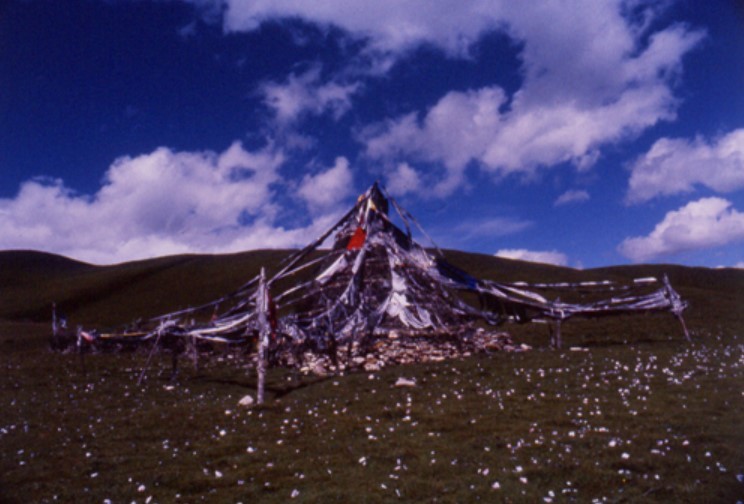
<point x="399" y="349"/>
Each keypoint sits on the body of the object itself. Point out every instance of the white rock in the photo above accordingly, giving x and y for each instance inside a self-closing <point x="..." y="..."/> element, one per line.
<point x="405" y="382"/>
<point x="372" y="366"/>
<point x="246" y="401"/>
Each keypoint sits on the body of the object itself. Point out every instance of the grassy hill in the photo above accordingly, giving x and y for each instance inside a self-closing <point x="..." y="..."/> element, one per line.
<point x="104" y="296"/>
<point x="117" y="294"/>
<point x="639" y="415"/>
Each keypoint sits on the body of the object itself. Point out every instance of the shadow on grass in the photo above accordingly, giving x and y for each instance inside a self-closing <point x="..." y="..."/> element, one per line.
<point x="636" y="342"/>
<point x="276" y="391"/>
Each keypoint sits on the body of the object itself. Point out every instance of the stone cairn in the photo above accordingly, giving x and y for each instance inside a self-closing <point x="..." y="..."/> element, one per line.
<point x="400" y="349"/>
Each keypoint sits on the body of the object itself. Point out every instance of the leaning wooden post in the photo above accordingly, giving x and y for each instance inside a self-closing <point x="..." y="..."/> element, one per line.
<point x="677" y="305"/>
<point x="262" y="304"/>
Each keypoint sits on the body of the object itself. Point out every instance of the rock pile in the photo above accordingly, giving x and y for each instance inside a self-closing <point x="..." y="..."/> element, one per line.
<point x="403" y="349"/>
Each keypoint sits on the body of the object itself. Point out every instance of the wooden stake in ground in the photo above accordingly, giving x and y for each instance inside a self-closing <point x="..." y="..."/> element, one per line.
<point x="557" y="335"/>
<point x="677" y="306"/>
<point x="80" y="348"/>
<point x="263" y="338"/>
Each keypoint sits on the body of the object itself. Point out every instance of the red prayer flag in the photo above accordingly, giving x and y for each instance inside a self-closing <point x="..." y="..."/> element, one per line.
<point x="357" y="239"/>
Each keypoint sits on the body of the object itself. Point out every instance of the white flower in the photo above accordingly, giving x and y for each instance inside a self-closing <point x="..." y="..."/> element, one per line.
<point x="496" y="485"/>
<point x="294" y="493"/>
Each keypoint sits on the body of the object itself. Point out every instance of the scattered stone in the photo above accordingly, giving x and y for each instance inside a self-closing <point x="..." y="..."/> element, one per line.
<point x="246" y="401"/>
<point x="372" y="366"/>
<point x="405" y="382"/>
<point x="398" y="347"/>
<point x="320" y="369"/>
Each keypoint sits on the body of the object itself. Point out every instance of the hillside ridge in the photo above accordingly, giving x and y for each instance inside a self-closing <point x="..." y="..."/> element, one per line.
<point x="31" y="281"/>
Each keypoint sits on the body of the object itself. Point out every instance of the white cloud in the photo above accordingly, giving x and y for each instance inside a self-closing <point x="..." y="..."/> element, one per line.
<point x="327" y="189"/>
<point x="305" y="94"/>
<point x="155" y="204"/>
<point x="546" y="257"/>
<point x="388" y="25"/>
<point x="493" y="226"/>
<point x="589" y="81"/>
<point x="403" y="180"/>
<point x="701" y="224"/>
<point x="675" y="166"/>
<point x="594" y="73"/>
<point x="572" y="196"/>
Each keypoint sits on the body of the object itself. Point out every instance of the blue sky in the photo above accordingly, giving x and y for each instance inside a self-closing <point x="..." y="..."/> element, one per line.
<point x="580" y="133"/>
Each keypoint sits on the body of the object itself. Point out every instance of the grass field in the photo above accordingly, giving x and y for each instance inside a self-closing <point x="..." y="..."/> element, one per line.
<point x="638" y="414"/>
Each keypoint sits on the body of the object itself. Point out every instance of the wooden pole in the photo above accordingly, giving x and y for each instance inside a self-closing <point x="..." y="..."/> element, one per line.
<point x="55" y="329"/>
<point x="80" y="348"/>
<point x="194" y="353"/>
<point x="677" y="306"/>
<point x="54" y="320"/>
<point x="558" y="334"/>
<point x="152" y="352"/>
<point x="263" y="338"/>
<point x="684" y="326"/>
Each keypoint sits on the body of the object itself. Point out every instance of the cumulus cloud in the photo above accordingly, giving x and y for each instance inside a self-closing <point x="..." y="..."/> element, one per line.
<point x="155" y="204"/>
<point x="593" y="74"/>
<point x="389" y="26"/>
<point x="675" y="166"/>
<point x="305" y="93"/>
<point x="327" y="189"/>
<point x="701" y="224"/>
<point x="546" y="257"/>
<point x="582" y="90"/>
<point x="572" y="196"/>
<point x="402" y="180"/>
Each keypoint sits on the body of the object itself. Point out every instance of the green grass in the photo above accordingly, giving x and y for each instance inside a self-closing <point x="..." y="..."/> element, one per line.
<point x="641" y="415"/>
